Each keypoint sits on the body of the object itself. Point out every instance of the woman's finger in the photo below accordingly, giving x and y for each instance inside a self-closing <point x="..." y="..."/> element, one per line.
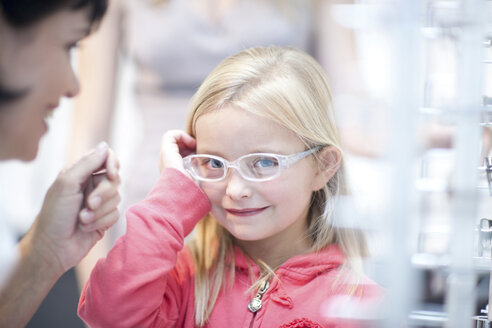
<point x="87" y="216"/>
<point x="102" y="192"/>
<point x="103" y="223"/>
<point x="112" y="165"/>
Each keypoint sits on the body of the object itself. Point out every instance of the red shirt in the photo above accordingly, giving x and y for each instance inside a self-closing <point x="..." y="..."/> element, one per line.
<point x="147" y="279"/>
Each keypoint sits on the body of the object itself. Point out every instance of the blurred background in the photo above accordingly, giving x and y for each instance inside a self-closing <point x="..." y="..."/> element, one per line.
<point x="412" y="88"/>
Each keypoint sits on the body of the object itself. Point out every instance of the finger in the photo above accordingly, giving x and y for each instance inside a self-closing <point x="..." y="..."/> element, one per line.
<point x="179" y="139"/>
<point x="107" y="207"/>
<point x="102" y="177"/>
<point x="104" y="191"/>
<point x="100" y="233"/>
<point x="99" y="177"/>
<point x="94" y="236"/>
<point x="112" y="165"/>
<point x="91" y="162"/>
<point x="186" y="144"/>
<point x="174" y="144"/>
<point x="103" y="223"/>
<point x="110" y="169"/>
<point x="87" y="216"/>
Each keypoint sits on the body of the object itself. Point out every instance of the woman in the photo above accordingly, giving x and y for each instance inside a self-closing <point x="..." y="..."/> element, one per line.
<point x="35" y="72"/>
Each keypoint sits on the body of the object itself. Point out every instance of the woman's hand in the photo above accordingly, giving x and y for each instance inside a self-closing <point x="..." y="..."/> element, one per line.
<point x="79" y="207"/>
<point x="175" y="144"/>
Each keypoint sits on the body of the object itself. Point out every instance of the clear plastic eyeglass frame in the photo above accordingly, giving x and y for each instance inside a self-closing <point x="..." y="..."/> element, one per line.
<point x="283" y="161"/>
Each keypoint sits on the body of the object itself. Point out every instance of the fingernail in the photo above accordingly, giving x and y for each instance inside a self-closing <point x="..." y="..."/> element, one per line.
<point x="94" y="202"/>
<point x="86" y="216"/>
<point x="113" y="169"/>
<point x="101" y="147"/>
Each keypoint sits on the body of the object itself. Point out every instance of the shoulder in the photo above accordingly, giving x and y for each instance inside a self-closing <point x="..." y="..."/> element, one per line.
<point x="184" y="270"/>
<point x="354" y="297"/>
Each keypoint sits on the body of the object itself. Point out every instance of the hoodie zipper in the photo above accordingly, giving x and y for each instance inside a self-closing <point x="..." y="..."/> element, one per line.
<point x="255" y="304"/>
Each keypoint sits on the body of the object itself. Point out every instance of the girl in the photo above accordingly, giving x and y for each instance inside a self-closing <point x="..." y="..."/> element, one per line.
<point x="261" y="171"/>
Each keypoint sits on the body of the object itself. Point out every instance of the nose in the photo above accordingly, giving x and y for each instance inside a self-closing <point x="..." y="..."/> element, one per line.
<point x="74" y="85"/>
<point x="237" y="188"/>
<point x="71" y="85"/>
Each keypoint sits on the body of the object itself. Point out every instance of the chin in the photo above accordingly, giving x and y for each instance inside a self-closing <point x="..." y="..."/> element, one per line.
<point x="246" y="235"/>
<point x="28" y="155"/>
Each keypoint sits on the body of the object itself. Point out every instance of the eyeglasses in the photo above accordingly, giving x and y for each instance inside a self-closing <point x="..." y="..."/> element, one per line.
<point x="252" y="167"/>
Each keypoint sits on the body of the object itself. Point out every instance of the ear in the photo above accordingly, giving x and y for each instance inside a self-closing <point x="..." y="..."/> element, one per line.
<point x="329" y="162"/>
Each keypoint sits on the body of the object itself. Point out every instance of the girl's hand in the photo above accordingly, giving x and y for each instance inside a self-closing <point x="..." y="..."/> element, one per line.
<point x="175" y="145"/>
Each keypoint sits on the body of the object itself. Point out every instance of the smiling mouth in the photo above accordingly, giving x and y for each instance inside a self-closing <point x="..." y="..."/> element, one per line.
<point x="50" y="111"/>
<point x="246" y="211"/>
<point x="53" y="106"/>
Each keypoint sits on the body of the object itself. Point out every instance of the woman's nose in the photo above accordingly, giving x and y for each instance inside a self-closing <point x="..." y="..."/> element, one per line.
<point x="73" y="86"/>
<point x="68" y="80"/>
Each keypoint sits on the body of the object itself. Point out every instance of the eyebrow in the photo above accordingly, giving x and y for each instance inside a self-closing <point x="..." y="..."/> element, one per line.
<point x="208" y="152"/>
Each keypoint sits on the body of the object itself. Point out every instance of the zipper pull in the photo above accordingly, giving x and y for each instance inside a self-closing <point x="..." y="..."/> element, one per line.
<point x="255" y="304"/>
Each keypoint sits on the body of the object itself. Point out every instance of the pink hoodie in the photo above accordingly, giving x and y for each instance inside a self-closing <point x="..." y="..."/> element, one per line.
<point x="147" y="279"/>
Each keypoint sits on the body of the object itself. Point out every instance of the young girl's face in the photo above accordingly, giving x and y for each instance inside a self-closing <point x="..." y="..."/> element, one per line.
<point x="252" y="210"/>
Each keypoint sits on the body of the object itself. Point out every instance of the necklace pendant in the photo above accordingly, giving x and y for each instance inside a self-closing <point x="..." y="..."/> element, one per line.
<point x="255" y="304"/>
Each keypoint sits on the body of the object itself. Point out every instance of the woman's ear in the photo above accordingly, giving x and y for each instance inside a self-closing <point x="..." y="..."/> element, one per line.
<point x="329" y="161"/>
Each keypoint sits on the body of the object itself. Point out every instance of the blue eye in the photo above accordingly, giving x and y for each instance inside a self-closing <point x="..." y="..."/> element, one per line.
<point x="215" y="163"/>
<point x="265" y="162"/>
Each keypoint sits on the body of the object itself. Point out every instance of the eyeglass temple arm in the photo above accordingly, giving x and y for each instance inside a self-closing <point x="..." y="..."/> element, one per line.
<point x="296" y="157"/>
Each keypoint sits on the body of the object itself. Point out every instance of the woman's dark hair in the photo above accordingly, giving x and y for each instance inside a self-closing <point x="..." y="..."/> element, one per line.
<point x="22" y="13"/>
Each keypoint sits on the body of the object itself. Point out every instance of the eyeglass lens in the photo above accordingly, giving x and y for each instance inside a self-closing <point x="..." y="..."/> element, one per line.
<point x="251" y="166"/>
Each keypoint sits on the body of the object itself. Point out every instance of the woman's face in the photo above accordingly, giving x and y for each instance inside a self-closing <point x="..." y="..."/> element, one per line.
<point x="273" y="211"/>
<point x="36" y="59"/>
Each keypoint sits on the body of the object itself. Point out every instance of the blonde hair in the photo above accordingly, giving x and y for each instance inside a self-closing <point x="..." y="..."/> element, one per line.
<point x="290" y="88"/>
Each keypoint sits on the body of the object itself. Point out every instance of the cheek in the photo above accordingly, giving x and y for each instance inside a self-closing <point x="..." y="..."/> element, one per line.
<point x="216" y="196"/>
<point x="295" y="184"/>
<point x="291" y="197"/>
<point x="214" y="193"/>
<point x="33" y="112"/>
<point x="21" y="130"/>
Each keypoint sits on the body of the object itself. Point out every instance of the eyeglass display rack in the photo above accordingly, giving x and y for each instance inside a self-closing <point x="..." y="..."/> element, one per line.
<point x="465" y="23"/>
<point x="413" y="25"/>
